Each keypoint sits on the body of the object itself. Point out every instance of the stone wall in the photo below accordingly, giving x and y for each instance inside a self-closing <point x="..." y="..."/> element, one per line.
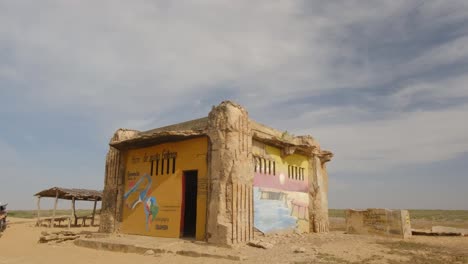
<point x="381" y="222"/>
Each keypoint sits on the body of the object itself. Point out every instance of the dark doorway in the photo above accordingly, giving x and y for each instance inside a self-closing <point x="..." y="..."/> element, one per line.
<point x="189" y="204"/>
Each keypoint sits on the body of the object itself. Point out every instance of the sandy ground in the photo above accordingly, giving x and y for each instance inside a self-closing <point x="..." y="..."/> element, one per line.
<point x="19" y="244"/>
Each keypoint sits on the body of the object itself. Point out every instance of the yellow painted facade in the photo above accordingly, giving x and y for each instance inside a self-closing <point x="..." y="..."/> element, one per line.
<point x="293" y="160"/>
<point x="274" y="153"/>
<point x="153" y="194"/>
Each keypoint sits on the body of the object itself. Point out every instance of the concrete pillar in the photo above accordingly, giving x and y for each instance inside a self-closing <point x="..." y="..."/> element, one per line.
<point x="111" y="207"/>
<point x="230" y="201"/>
<point x="318" y="195"/>
<point x="109" y="198"/>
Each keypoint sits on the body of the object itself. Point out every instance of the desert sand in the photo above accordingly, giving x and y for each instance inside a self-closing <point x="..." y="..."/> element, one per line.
<point x="19" y="244"/>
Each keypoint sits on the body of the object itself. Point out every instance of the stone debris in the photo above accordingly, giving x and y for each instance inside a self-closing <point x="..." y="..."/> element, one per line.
<point x="57" y="237"/>
<point x="149" y="252"/>
<point x="445" y="229"/>
<point x="299" y="250"/>
<point x="260" y="244"/>
<point x="440" y="231"/>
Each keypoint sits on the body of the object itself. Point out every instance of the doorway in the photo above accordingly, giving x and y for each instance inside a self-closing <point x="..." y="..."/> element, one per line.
<point x="188" y="224"/>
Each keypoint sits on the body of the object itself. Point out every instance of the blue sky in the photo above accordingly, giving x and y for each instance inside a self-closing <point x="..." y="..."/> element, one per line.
<point x="382" y="84"/>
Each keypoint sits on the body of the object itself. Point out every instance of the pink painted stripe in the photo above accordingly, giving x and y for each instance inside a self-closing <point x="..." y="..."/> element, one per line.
<point x="272" y="181"/>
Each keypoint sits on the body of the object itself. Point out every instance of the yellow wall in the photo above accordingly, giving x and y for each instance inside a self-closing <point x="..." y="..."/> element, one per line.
<point x="293" y="160"/>
<point x="166" y="189"/>
<point x="274" y="153"/>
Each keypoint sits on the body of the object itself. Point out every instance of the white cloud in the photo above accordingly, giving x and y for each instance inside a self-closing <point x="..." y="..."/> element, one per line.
<point x="148" y="54"/>
<point x="434" y="92"/>
<point x="408" y="138"/>
<point x="442" y="55"/>
<point x="124" y="62"/>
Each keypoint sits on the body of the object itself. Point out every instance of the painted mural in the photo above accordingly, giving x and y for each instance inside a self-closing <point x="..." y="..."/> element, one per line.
<point x="280" y="190"/>
<point x="153" y="197"/>
<point x="150" y="205"/>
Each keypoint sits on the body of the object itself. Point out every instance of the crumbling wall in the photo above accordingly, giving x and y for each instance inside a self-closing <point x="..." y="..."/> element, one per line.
<point x="230" y="212"/>
<point x="113" y="183"/>
<point x="382" y="222"/>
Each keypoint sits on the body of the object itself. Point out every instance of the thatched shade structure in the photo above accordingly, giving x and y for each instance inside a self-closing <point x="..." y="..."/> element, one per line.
<point x="68" y="194"/>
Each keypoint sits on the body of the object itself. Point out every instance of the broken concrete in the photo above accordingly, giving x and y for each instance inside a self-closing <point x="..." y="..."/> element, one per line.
<point x="260" y="244"/>
<point x="440" y="231"/>
<point x="299" y="250"/>
<point x="382" y="222"/>
<point x="446" y="229"/>
<point x="59" y="236"/>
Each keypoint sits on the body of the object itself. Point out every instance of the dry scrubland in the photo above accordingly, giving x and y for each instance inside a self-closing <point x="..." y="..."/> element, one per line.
<point x="19" y="245"/>
<point x="420" y="219"/>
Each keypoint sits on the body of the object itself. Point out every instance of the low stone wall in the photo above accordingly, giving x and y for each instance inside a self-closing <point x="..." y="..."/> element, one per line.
<point x="382" y="222"/>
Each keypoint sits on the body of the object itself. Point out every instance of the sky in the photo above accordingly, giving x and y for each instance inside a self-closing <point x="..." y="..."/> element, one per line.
<point x="382" y="84"/>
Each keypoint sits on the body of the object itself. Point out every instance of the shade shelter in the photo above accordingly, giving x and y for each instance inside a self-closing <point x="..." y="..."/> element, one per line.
<point x="67" y="194"/>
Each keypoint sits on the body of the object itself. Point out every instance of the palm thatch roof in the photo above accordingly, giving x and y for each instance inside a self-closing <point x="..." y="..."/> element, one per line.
<point x="68" y="194"/>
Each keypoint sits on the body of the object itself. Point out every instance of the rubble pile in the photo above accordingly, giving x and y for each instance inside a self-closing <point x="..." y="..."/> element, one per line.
<point x="60" y="236"/>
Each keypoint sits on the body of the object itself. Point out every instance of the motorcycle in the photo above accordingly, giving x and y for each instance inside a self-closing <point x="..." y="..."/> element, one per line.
<point x="3" y="217"/>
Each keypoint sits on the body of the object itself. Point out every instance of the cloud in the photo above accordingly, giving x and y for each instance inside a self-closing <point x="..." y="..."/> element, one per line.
<point x="436" y="92"/>
<point x="380" y="83"/>
<point x="119" y="61"/>
<point x="148" y="54"/>
<point x="144" y="53"/>
<point x="408" y="138"/>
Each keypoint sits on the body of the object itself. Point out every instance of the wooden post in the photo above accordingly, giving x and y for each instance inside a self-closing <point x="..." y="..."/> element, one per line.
<point x="94" y="212"/>
<point x="74" y="211"/>
<point x="55" y="209"/>
<point x="38" y="210"/>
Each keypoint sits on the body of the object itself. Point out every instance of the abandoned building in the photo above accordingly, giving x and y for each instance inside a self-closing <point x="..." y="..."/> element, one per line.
<point x="217" y="179"/>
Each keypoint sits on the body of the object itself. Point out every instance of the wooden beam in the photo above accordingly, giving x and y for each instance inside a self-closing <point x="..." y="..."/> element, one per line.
<point x="94" y="212"/>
